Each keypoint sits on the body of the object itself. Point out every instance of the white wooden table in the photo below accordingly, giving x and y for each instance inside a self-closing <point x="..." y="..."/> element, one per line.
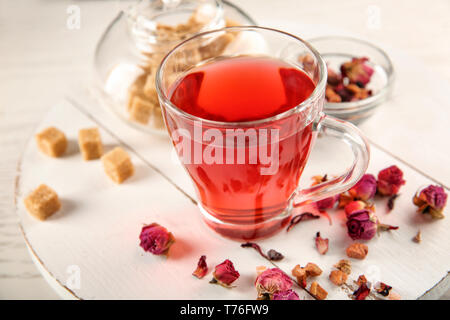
<point x="41" y="59"/>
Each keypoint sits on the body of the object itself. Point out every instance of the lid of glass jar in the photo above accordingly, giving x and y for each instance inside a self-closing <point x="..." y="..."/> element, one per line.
<point x="163" y="23"/>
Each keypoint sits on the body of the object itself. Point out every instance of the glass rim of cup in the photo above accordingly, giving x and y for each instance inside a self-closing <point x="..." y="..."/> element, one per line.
<point x="319" y="89"/>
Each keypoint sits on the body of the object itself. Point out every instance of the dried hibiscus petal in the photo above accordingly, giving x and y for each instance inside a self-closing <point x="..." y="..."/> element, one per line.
<point x="225" y="274"/>
<point x="391" y="201"/>
<point x="285" y="295"/>
<point x="156" y="239"/>
<point x="271" y="281"/>
<point x="274" y="255"/>
<point x="202" y="268"/>
<point x="431" y="200"/>
<point x="321" y="244"/>
<point x="363" y="291"/>
<point x="389" y="181"/>
<point x="301" y="217"/>
<point x="271" y="255"/>
<point x="383" y="289"/>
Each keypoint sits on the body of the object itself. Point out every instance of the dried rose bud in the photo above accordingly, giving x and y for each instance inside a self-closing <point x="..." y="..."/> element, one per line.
<point x="271" y="281"/>
<point x="357" y="71"/>
<point x="202" y="268"/>
<point x="321" y="244"/>
<point x="362" y="225"/>
<point x="365" y="189"/>
<point x="285" y="295"/>
<point x="225" y="274"/>
<point x="156" y="239"/>
<point x="357" y="206"/>
<point x="432" y="201"/>
<point x="389" y="181"/>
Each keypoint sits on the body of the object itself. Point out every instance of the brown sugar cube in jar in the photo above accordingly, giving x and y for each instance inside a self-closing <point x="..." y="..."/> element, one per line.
<point x="141" y="110"/>
<point x="42" y="202"/>
<point x="90" y="143"/>
<point x="157" y="118"/>
<point x="150" y="89"/>
<point x="52" y="142"/>
<point x="118" y="165"/>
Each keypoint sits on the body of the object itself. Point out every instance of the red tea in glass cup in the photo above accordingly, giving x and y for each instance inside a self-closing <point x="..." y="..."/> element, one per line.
<point x="243" y="121"/>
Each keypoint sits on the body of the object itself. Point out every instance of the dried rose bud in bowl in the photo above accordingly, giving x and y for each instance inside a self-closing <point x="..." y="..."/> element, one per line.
<point x="360" y="77"/>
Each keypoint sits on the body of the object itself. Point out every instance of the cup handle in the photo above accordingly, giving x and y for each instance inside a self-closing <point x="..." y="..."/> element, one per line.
<point x="352" y="136"/>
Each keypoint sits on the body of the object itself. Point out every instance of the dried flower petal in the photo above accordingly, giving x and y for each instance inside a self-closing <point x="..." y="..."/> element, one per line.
<point x="301" y="217"/>
<point x="286" y="295"/>
<point x="274" y="255"/>
<point x="344" y="265"/>
<point x="431" y="200"/>
<point x="362" y="225"/>
<point x="156" y="239"/>
<point x="271" y="281"/>
<point x="362" y="292"/>
<point x="383" y="289"/>
<point x="385" y="227"/>
<point x="333" y="78"/>
<point x="365" y="189"/>
<point x="389" y="181"/>
<point x="357" y="71"/>
<point x="321" y="244"/>
<point x="390" y="203"/>
<point x="394" y="296"/>
<point x="202" y="268"/>
<point x="225" y="274"/>
<point x="418" y="237"/>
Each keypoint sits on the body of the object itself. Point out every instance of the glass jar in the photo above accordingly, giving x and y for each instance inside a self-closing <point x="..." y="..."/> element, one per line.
<point x="131" y="48"/>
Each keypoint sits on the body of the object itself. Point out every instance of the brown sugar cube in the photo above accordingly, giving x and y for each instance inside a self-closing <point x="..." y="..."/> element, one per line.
<point x="317" y="291"/>
<point x="357" y="251"/>
<point x="42" y="202"/>
<point x="338" y="277"/>
<point x="150" y="88"/>
<point x="141" y="110"/>
<point x="118" y="165"/>
<point x="157" y="118"/>
<point x="313" y="269"/>
<point x="52" y="142"/>
<point x="90" y="143"/>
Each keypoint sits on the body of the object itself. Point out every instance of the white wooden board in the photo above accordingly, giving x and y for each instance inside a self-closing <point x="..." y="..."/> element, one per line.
<point x="97" y="230"/>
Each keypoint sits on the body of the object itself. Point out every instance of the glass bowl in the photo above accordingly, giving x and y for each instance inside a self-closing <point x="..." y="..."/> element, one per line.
<point x="335" y="50"/>
<point x="131" y="48"/>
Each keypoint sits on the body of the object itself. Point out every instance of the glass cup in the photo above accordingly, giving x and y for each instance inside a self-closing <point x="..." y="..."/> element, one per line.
<point x="252" y="196"/>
